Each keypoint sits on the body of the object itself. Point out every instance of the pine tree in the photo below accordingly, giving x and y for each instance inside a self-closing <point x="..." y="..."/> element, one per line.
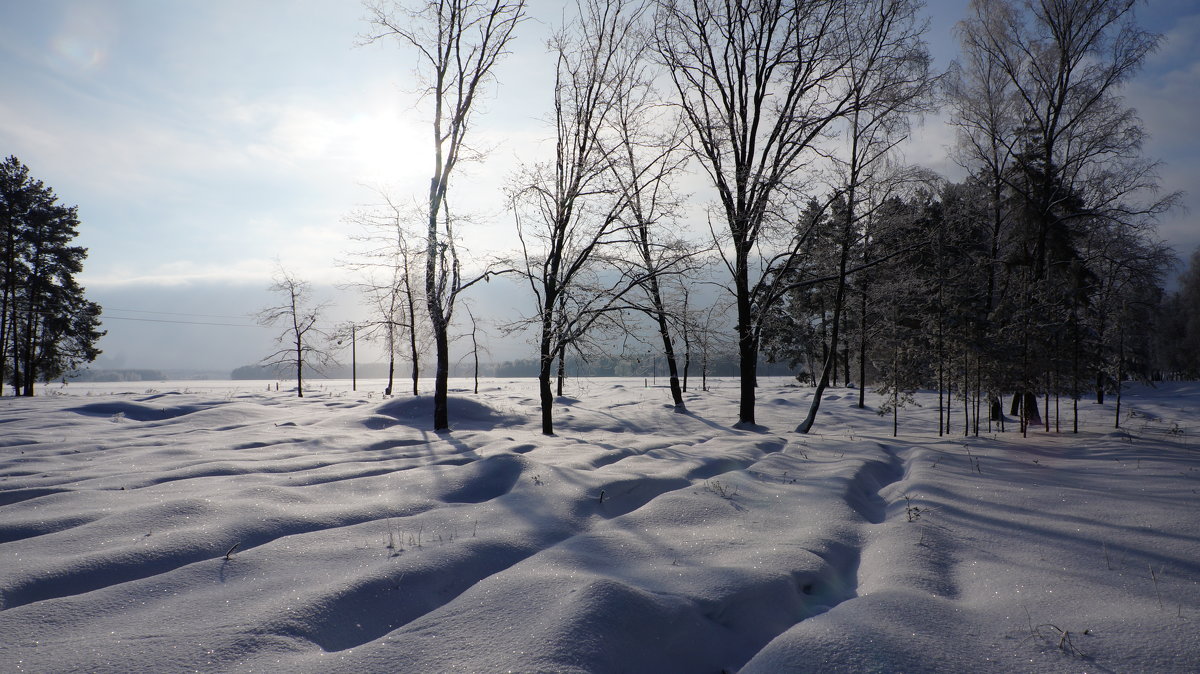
<point x="47" y="326"/>
<point x="1179" y="315"/>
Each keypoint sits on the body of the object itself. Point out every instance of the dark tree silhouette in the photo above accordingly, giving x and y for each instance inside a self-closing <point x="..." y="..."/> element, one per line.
<point x="47" y="326"/>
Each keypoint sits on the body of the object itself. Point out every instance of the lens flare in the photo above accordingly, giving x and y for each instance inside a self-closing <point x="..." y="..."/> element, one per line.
<point x="79" y="51"/>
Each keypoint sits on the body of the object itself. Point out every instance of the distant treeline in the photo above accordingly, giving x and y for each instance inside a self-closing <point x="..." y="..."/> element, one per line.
<point x="116" y="375"/>
<point x="599" y="366"/>
<point x="335" y="371"/>
<point x="616" y="366"/>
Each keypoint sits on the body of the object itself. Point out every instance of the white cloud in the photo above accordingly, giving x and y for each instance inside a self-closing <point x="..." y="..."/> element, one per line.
<point x="1181" y="43"/>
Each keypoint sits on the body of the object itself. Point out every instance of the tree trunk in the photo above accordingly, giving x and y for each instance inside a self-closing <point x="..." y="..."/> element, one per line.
<point x="1120" y="368"/>
<point x="748" y="351"/>
<point x="862" y="348"/>
<point x="546" y="353"/>
<point x="966" y="391"/>
<point x="441" y="384"/>
<point x="833" y="371"/>
<point x="562" y="368"/>
<point x="4" y="326"/>
<point x="1101" y="329"/>
<point x="895" y="390"/>
<point x="391" y="365"/>
<point x="415" y="355"/>
<point x="747" y="371"/>
<point x="16" y="353"/>
<point x="545" y="393"/>
<point x="435" y="267"/>
<point x="978" y="390"/>
<point x="299" y="369"/>
<point x="1075" y="372"/>
<point x="669" y="351"/>
<point x="941" y="402"/>
<point x="846" y="363"/>
<point x="1026" y="395"/>
<point x="1046" y="420"/>
<point x="895" y="411"/>
<point x="687" y="364"/>
<point x="32" y="326"/>
<point x="941" y="376"/>
<point x="475" y="354"/>
<point x="668" y="348"/>
<point x="838" y="300"/>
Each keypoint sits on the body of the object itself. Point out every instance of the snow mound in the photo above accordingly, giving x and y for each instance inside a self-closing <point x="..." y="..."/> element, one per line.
<point x="464" y="412"/>
<point x="136" y="411"/>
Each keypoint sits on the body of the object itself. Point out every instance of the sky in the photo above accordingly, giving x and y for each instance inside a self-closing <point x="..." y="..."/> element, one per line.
<point x="206" y="143"/>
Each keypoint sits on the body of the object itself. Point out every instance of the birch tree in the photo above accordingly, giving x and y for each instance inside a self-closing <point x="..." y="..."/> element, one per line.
<point x="459" y="43"/>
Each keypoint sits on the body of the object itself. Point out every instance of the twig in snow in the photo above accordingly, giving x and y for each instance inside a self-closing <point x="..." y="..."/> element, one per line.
<point x="1065" y="644"/>
<point x="1154" y="578"/>
<point x="974" y="461"/>
<point x="723" y="490"/>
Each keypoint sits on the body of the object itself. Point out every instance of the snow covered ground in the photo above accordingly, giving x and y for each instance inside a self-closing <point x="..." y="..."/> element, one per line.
<point x="219" y="526"/>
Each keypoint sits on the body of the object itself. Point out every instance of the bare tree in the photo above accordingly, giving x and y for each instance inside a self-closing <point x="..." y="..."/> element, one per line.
<point x="460" y="43"/>
<point x="1062" y="64"/>
<point x="706" y="334"/>
<point x="984" y="111"/>
<point x="475" y="347"/>
<point x="887" y="79"/>
<point x="759" y="83"/>
<point x="299" y="318"/>
<point x="650" y="156"/>
<point x="390" y="262"/>
<point x="568" y="210"/>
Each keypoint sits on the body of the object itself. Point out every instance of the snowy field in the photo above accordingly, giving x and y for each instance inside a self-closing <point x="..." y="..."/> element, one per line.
<point x="219" y="526"/>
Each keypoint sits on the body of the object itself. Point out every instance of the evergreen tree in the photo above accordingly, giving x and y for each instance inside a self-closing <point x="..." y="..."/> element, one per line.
<point x="47" y="326"/>
<point x="1179" y="316"/>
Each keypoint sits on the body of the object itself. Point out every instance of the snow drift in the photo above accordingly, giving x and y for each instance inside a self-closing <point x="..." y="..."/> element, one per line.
<point x="222" y="530"/>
